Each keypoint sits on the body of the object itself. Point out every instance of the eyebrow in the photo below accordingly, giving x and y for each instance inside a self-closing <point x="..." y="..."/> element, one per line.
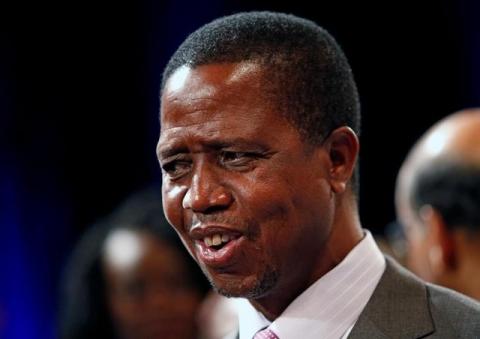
<point x="169" y="151"/>
<point x="173" y="149"/>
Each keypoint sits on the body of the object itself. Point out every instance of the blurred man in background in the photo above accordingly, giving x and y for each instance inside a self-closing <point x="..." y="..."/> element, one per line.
<point x="438" y="202"/>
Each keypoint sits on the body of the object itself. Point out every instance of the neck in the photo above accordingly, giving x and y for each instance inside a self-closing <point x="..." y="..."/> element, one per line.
<point x="466" y="278"/>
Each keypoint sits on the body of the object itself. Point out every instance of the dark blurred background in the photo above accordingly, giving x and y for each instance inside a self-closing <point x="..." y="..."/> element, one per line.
<point x="79" y="113"/>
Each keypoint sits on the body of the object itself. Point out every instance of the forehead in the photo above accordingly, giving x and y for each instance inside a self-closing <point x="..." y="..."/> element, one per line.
<point x="226" y="83"/>
<point x="228" y="75"/>
<point x="127" y="251"/>
<point x="218" y="99"/>
<point x="123" y="249"/>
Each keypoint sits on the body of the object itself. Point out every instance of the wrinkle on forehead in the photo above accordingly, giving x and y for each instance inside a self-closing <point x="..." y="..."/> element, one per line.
<point x="210" y="115"/>
<point x="213" y="131"/>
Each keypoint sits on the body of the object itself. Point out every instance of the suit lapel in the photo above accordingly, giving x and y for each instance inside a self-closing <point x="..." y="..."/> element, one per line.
<point x="398" y="308"/>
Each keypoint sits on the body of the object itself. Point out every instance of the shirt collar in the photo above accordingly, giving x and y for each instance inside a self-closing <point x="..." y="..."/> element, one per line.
<point x="250" y="321"/>
<point x="330" y="306"/>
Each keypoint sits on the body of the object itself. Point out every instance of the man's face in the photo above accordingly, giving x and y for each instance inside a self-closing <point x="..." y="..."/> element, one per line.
<point x="248" y="198"/>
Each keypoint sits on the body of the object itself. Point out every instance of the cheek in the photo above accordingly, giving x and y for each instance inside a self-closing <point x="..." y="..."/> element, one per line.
<point x="127" y="316"/>
<point x="269" y="204"/>
<point x="300" y="212"/>
<point x="172" y="197"/>
<point x="264" y="198"/>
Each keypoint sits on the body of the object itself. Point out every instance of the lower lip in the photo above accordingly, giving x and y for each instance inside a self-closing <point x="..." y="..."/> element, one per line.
<point x="219" y="258"/>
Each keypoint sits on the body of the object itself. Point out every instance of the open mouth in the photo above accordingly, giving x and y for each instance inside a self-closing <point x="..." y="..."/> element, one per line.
<point x="217" y="241"/>
<point x="220" y="247"/>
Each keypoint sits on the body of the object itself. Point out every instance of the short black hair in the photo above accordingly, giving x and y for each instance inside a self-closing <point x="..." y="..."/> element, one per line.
<point x="308" y="73"/>
<point x="453" y="189"/>
<point x="84" y="312"/>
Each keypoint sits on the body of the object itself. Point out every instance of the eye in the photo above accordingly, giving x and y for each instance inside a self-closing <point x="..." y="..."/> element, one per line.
<point x="236" y="159"/>
<point x="176" y="168"/>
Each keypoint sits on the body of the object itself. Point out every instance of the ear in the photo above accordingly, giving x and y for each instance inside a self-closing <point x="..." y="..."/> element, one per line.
<point x="342" y="146"/>
<point x="442" y="254"/>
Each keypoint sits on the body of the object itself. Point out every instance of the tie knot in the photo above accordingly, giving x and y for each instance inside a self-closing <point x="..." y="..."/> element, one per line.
<point x="265" y="334"/>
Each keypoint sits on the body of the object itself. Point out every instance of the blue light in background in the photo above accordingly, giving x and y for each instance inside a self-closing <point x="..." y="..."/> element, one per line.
<point x="19" y="319"/>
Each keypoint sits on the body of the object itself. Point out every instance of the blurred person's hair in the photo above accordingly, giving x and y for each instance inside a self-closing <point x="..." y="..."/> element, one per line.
<point x="453" y="189"/>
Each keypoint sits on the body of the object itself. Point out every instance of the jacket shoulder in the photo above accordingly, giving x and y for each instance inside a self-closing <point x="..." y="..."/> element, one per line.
<point x="404" y="306"/>
<point x="452" y="310"/>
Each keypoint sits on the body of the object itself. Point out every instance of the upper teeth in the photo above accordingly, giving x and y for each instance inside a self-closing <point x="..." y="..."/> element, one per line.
<point x="216" y="239"/>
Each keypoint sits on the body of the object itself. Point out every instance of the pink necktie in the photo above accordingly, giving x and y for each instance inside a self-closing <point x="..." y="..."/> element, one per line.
<point x="265" y="334"/>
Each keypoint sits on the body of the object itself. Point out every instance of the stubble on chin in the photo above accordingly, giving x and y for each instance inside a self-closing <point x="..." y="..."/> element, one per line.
<point x="247" y="289"/>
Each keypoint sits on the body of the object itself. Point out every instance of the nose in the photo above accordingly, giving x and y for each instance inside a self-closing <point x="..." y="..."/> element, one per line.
<point x="206" y="193"/>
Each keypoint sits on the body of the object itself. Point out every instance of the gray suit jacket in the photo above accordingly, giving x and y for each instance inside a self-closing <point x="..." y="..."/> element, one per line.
<point x="403" y="306"/>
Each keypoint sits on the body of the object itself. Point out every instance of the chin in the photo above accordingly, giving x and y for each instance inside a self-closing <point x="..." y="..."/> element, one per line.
<point x="251" y="287"/>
